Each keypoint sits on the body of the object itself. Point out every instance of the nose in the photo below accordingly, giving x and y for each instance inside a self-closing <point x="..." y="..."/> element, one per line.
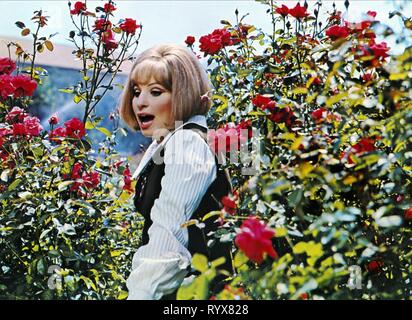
<point x="141" y="101"/>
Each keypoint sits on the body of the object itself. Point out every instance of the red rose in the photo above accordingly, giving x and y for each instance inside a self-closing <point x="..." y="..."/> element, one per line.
<point x="408" y="214"/>
<point x="75" y="128"/>
<point x="32" y="126"/>
<point x="283" y="10"/>
<point x="380" y="50"/>
<point x="79" y="7"/>
<point x="367" y="77"/>
<point x="319" y="114"/>
<point x="212" y="43"/>
<point x="19" y="129"/>
<point x="53" y="120"/>
<point x="254" y="239"/>
<point x="76" y="175"/>
<point x="7" y="66"/>
<point x="190" y="40"/>
<point x="6" y="87"/>
<point x="23" y="86"/>
<point x="364" y="145"/>
<point x="371" y="14"/>
<point x="5" y="132"/>
<point x="109" y="7"/>
<point x="129" y="26"/>
<point x="57" y="133"/>
<point x="91" y="179"/>
<point x="209" y="45"/>
<point x="337" y="32"/>
<point x="317" y="81"/>
<point x="263" y="102"/>
<point x="102" y="25"/>
<point x="127" y="178"/>
<point x="375" y="266"/>
<point x="109" y="41"/>
<point x="223" y="35"/>
<point x="284" y="115"/>
<point x="229" y="204"/>
<point x="298" y="12"/>
<point x="15" y="115"/>
<point x="77" y="169"/>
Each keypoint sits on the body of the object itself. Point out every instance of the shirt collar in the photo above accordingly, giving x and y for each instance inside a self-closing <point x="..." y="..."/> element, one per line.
<point x="198" y="119"/>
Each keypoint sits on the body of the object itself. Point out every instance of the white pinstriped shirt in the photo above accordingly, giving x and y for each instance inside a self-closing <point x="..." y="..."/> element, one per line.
<point x="159" y="267"/>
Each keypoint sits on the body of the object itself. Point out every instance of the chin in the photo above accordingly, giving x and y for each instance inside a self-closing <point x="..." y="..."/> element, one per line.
<point x="147" y="132"/>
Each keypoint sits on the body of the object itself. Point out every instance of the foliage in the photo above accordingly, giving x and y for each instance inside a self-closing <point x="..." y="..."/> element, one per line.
<point x="68" y="229"/>
<point x="334" y="115"/>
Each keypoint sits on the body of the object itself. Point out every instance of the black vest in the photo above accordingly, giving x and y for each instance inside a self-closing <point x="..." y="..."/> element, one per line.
<point x="148" y="188"/>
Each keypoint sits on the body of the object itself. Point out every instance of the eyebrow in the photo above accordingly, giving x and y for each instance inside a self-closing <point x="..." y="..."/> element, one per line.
<point x="150" y="84"/>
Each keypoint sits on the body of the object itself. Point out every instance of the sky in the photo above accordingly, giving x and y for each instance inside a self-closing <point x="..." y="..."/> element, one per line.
<point x="172" y="21"/>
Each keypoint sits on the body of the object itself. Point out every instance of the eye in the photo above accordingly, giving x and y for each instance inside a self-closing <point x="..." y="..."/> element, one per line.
<point x="156" y="93"/>
<point x="136" y="92"/>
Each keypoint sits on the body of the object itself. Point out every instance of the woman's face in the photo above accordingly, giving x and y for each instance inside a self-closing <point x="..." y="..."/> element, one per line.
<point x="152" y="105"/>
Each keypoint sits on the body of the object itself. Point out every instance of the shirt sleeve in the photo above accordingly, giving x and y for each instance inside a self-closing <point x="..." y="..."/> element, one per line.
<point x="160" y="266"/>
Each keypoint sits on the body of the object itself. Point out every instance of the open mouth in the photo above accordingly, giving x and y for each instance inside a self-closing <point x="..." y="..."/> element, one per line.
<point x="146" y="120"/>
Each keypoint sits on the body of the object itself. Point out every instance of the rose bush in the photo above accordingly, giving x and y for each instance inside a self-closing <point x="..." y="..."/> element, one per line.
<point x="333" y="187"/>
<point x="67" y="225"/>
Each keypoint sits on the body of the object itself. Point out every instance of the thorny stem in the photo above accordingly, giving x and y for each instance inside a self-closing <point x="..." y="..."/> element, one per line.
<point x="297" y="51"/>
<point x="34" y="49"/>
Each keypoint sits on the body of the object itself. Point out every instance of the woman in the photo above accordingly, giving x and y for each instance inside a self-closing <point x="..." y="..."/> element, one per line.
<point x="179" y="177"/>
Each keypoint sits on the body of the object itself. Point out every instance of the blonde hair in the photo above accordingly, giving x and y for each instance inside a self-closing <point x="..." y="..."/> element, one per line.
<point x="178" y="70"/>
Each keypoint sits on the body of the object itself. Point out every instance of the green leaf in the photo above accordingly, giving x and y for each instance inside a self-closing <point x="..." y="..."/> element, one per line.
<point x="240" y="259"/>
<point x="398" y="76"/>
<point x="104" y="131"/>
<point x="20" y="24"/>
<point x="25" y="194"/>
<point x="77" y="99"/>
<point x="5" y="175"/>
<point x="122" y="295"/>
<point x="295" y="197"/>
<point x="197" y="289"/>
<point x="116" y="253"/>
<point x="200" y="262"/>
<point x="210" y="215"/>
<point x="41" y="268"/>
<point x="335" y="99"/>
<point x="390" y="221"/>
<point x="66" y="90"/>
<point x="218" y="262"/>
<point x="224" y="101"/>
<point x="63" y="185"/>
<point x="277" y="187"/>
<point x="300" y="90"/>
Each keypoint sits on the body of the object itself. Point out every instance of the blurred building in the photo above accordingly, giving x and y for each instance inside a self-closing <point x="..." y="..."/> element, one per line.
<point x="63" y="72"/>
